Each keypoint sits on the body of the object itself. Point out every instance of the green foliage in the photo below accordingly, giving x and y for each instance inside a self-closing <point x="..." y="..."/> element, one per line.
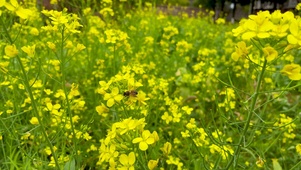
<point x="174" y="2"/>
<point x="108" y="87"/>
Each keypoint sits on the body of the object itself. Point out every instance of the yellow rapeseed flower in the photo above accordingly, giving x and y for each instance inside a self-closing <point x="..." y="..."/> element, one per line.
<point x="34" y="121"/>
<point x="292" y="71"/>
<point x="183" y="47"/>
<point x="141" y="98"/>
<point x="220" y="21"/>
<point x="260" y="162"/>
<point x="25" y="136"/>
<point x="241" y="51"/>
<point x="152" y="164"/>
<point x="166" y="117"/>
<point x="166" y="149"/>
<point x="11" y="50"/>
<point x="51" y="45"/>
<point x="113" y="97"/>
<point x="14" y="6"/>
<point x="47" y="150"/>
<point x="298" y="148"/>
<point x="79" y="47"/>
<point x="29" y="50"/>
<point x="187" y="109"/>
<point x="127" y="161"/>
<point x="298" y="6"/>
<point x="102" y="110"/>
<point x="295" y="30"/>
<point x="269" y="53"/>
<point x="3" y="67"/>
<point x="256" y="26"/>
<point x="170" y="31"/>
<point x="53" y="2"/>
<point x="174" y="161"/>
<point x="107" y="12"/>
<point x="34" y="31"/>
<point x="145" y="140"/>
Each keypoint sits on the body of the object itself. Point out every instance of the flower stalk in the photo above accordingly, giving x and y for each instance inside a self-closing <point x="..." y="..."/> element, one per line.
<point x="33" y="103"/>
<point x="235" y="156"/>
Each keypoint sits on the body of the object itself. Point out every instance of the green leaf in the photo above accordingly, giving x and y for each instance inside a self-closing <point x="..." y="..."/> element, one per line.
<point x="70" y="165"/>
<point x="276" y="165"/>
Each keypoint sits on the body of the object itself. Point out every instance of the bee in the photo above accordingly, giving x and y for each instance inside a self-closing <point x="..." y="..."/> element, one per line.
<point x="130" y="93"/>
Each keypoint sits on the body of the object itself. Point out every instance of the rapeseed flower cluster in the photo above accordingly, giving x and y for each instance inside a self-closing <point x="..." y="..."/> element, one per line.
<point x="229" y="101"/>
<point x="16" y="8"/>
<point x="285" y="123"/>
<point x="282" y="27"/>
<point x="104" y="91"/>
<point x="111" y="146"/>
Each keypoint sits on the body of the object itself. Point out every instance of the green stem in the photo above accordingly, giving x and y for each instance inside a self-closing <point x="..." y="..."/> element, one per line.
<point x="296" y="166"/>
<point x="114" y="60"/>
<point x="36" y="112"/>
<point x="33" y="103"/>
<point x="63" y="62"/>
<point x="140" y="5"/>
<point x="235" y="156"/>
<point x="6" y="32"/>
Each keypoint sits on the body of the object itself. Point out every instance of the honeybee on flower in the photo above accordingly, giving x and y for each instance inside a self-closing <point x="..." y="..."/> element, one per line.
<point x="130" y="93"/>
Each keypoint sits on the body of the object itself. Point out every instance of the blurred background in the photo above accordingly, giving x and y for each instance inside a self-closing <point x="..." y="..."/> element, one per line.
<point x="231" y="10"/>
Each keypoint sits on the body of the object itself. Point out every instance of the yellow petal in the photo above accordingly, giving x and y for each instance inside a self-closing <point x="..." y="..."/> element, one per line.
<point x="49" y="106"/>
<point x="34" y="121"/>
<point x="137" y="140"/>
<point x="292" y="71"/>
<point x="143" y="146"/>
<point x="294" y="29"/>
<point x="2" y="2"/>
<point x="123" y="159"/>
<point x="14" y="3"/>
<point x="251" y="25"/>
<point x="23" y="13"/>
<point x="263" y="35"/>
<point x="10" y="50"/>
<point x="146" y="134"/>
<point x="110" y="102"/>
<point x="115" y="91"/>
<point x="235" y="56"/>
<point x="295" y="76"/>
<point x="9" y="7"/>
<point x="150" y="141"/>
<point x="132" y="158"/>
<point x="118" y="97"/>
<point x="107" y="96"/>
<point x="57" y="106"/>
<point x="248" y="35"/>
<point x="291" y="39"/>
<point x="102" y="83"/>
<point x="152" y="164"/>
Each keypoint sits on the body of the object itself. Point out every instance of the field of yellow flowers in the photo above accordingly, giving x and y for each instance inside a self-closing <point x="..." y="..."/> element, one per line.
<point x="111" y="88"/>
